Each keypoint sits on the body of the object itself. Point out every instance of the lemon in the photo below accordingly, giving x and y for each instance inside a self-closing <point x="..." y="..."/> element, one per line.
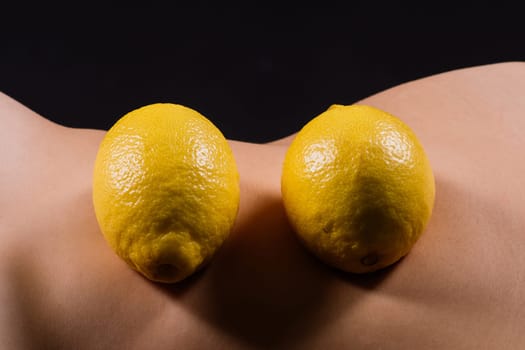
<point x="357" y="187"/>
<point x="165" y="190"/>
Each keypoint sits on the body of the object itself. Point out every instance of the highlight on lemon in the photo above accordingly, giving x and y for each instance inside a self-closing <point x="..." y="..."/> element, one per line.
<point x="165" y="190"/>
<point x="357" y="187"/>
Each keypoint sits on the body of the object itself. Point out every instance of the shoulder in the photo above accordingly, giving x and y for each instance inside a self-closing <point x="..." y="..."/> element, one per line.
<point x="485" y="91"/>
<point x="44" y="182"/>
<point x="482" y="90"/>
<point x="37" y="154"/>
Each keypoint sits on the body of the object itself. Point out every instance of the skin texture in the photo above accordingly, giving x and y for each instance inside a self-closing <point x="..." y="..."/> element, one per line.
<point x="461" y="287"/>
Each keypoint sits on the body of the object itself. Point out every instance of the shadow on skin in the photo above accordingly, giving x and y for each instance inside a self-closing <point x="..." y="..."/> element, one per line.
<point x="25" y="280"/>
<point x="265" y="289"/>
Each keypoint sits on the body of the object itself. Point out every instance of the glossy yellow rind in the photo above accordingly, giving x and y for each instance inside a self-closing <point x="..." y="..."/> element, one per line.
<point x="165" y="190"/>
<point x="357" y="187"/>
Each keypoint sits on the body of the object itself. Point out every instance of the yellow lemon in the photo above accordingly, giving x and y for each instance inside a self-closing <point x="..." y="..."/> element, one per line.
<point x="357" y="187"/>
<point x="165" y="190"/>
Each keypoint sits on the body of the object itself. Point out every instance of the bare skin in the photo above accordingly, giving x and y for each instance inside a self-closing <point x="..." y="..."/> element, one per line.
<point x="461" y="287"/>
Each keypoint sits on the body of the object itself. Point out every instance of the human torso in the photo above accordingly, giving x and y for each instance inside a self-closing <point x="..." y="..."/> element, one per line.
<point x="461" y="287"/>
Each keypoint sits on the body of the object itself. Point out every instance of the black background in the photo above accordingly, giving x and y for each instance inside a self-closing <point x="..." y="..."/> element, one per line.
<point x="258" y="72"/>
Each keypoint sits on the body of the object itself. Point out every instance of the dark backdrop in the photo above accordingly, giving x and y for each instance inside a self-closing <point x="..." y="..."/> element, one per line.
<point x="258" y="73"/>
